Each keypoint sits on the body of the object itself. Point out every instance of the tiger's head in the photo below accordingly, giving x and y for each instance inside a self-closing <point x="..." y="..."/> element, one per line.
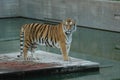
<point x="69" y="26"/>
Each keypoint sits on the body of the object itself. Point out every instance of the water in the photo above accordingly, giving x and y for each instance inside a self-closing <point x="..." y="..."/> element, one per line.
<point x="109" y="62"/>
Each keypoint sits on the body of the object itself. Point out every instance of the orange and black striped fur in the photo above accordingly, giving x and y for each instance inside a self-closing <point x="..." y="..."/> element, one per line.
<point x="59" y="36"/>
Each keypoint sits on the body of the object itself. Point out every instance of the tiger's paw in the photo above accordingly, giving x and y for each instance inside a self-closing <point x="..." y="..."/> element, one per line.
<point x="29" y="58"/>
<point x="68" y="59"/>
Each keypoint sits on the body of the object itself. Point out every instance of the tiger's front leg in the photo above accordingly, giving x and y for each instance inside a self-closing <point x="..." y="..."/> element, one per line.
<point x="68" y="48"/>
<point x="32" y="50"/>
<point x="64" y="51"/>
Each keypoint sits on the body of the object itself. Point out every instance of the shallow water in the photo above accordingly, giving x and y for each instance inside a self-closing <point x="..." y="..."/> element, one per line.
<point x="109" y="67"/>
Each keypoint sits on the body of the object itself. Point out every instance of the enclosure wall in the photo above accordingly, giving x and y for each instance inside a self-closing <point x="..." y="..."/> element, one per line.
<point x="96" y="14"/>
<point x="9" y="8"/>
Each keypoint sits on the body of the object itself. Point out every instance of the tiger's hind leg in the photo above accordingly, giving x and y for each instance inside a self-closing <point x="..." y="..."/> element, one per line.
<point x="26" y="56"/>
<point x="25" y="50"/>
<point x="27" y="45"/>
<point x="68" y="48"/>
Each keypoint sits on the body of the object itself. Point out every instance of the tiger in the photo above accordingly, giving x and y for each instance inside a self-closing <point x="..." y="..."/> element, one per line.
<point x="56" y="36"/>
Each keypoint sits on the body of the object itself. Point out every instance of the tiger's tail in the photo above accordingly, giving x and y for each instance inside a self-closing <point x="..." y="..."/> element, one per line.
<point x="21" y="42"/>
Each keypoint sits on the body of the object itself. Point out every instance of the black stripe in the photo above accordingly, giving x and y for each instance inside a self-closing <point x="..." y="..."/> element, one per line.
<point x="53" y="36"/>
<point x="42" y="31"/>
<point x="43" y="41"/>
<point x="21" y="48"/>
<point x="29" y="38"/>
<point x="53" y="43"/>
<point x="34" y="30"/>
<point x="46" y="43"/>
<point x="49" y="43"/>
<point x="38" y="30"/>
<point x="51" y="33"/>
<point x="56" y="34"/>
<point x="39" y="40"/>
<point x="31" y="29"/>
<point x="25" y="26"/>
<point x="47" y="32"/>
<point x="21" y="40"/>
<point x="46" y="37"/>
<point x="28" y="44"/>
<point x="36" y="26"/>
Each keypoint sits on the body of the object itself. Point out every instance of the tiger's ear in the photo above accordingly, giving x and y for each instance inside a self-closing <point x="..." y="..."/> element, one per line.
<point x="64" y="22"/>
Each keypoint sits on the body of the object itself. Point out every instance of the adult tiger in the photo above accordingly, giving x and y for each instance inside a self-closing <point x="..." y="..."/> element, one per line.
<point x="59" y="36"/>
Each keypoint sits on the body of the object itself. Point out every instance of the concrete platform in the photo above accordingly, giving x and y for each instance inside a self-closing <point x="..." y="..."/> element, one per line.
<point x="45" y="64"/>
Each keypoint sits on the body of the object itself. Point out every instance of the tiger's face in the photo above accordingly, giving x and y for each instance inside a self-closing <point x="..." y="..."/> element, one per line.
<point x="69" y="26"/>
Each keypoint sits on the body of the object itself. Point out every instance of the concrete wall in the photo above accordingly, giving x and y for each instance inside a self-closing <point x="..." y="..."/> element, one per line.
<point x="90" y="13"/>
<point x="9" y="8"/>
<point x="96" y="14"/>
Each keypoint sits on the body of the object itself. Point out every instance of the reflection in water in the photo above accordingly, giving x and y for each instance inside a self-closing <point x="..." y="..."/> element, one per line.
<point x="69" y="76"/>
